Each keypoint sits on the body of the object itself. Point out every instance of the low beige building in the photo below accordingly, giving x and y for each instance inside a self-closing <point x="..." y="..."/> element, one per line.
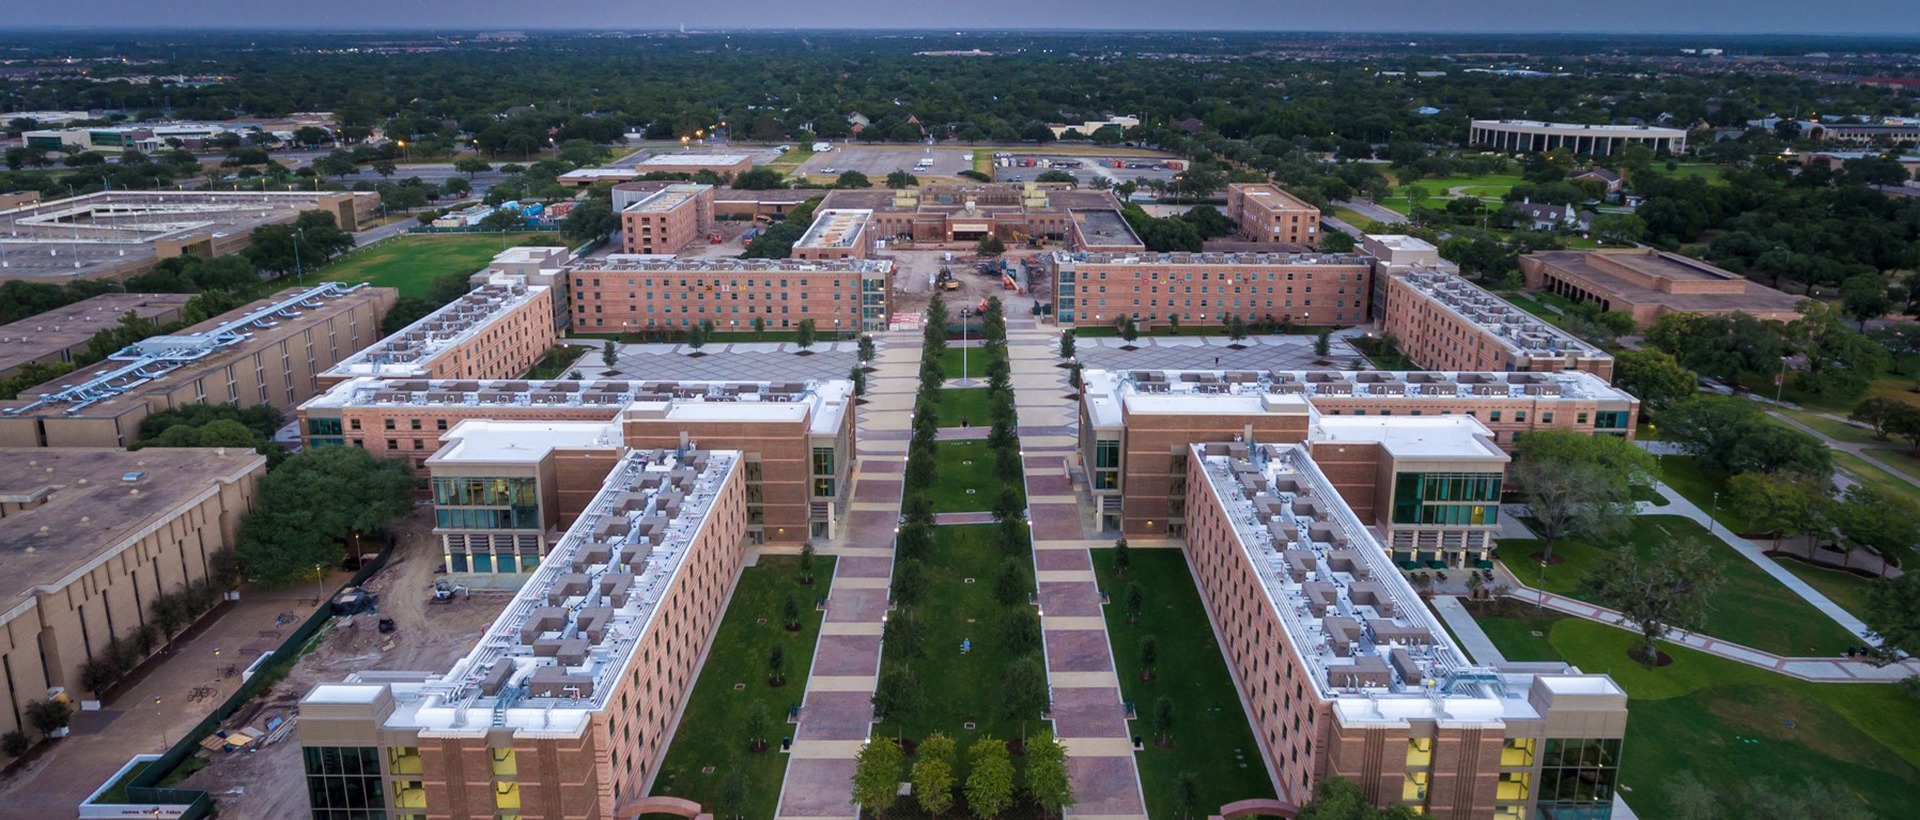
<point x="566" y="705"/>
<point x="270" y="352"/>
<point x="91" y="536"/>
<point x="1649" y="284"/>
<point x="836" y="234"/>
<point x="56" y="336"/>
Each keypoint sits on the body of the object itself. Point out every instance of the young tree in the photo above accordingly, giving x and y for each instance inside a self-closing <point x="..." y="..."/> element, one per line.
<point x="990" y="783"/>
<point x="1135" y="600"/>
<point x="904" y="637"/>
<point x="1122" y="557"/>
<point x="1236" y="328"/>
<point x="1670" y="589"/>
<point x="1047" y="776"/>
<point x="1186" y="794"/>
<point x="909" y="582"/>
<point x="1322" y="343"/>
<point x="1066" y="344"/>
<point x="696" y="339"/>
<point x="901" y="179"/>
<point x="1011" y="585"/>
<point x="1129" y="330"/>
<point x="607" y="354"/>
<point x="804" y="334"/>
<point x="757" y="727"/>
<point x="1023" y="690"/>
<point x="1149" y="656"/>
<point x="1163" y="721"/>
<point x="777" y="666"/>
<point x="933" y="780"/>
<point x="876" y="774"/>
<point x="790" y="613"/>
<point x="1020" y="631"/>
<point x="990" y="246"/>
<point x="806" y="563"/>
<point x="733" y="794"/>
<point x="866" y="348"/>
<point x="897" y="694"/>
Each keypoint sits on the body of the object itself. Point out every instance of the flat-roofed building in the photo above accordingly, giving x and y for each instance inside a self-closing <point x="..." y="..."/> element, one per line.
<point x="91" y="537"/>
<point x="1593" y="140"/>
<point x="271" y="352"/>
<point x="630" y="294"/>
<point x="1103" y="230"/>
<point x="798" y="436"/>
<point x="498" y="330"/>
<point x="836" y="234"/>
<point x="1267" y="213"/>
<point x="1134" y="425"/>
<point x="1444" y="322"/>
<point x="536" y="265"/>
<point x="951" y="214"/>
<point x="1649" y="284"/>
<point x="122" y="234"/>
<point x="567" y="703"/>
<point x="689" y="162"/>
<point x="504" y="491"/>
<point x="1397" y="254"/>
<point x="1096" y="289"/>
<point x="1430" y="484"/>
<point x="727" y="202"/>
<point x="587" y="177"/>
<point x="1836" y="160"/>
<point x="54" y="337"/>
<point x="1345" y="672"/>
<point x="667" y="220"/>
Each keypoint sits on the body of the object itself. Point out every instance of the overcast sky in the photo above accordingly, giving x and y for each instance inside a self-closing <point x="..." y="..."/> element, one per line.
<point x="1886" y="17"/>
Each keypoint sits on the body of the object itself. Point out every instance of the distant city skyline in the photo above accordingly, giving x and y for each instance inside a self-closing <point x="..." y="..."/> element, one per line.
<point x="1703" y="17"/>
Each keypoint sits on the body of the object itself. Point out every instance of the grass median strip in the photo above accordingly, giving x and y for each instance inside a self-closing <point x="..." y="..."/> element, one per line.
<point x="711" y="742"/>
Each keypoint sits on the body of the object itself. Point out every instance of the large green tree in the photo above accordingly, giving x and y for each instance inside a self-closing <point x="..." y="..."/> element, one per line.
<point x="308" y="507"/>
<point x="1653" y="376"/>
<point x="1577" y="484"/>
<point x="990" y="783"/>
<point x="1669" y="588"/>
<point x="876" y="774"/>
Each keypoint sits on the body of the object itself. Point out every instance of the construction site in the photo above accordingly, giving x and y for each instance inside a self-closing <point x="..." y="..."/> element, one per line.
<point x="122" y="234"/>
<point x="412" y="617"/>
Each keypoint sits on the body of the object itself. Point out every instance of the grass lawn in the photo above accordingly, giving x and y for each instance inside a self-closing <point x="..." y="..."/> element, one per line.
<point x="1866" y="472"/>
<point x="1512" y="630"/>
<point x="976" y="362"/>
<point x="1896" y="457"/>
<point x="967" y="465"/>
<point x="1730" y="725"/>
<point x="558" y="359"/>
<point x="1697" y="484"/>
<point x="1842" y="587"/>
<point x="960" y="688"/>
<point x="1212" y="738"/>
<point x="713" y="729"/>
<point x="968" y="403"/>
<point x="411" y="263"/>
<point x="1752" y="609"/>
<point x="790" y="161"/>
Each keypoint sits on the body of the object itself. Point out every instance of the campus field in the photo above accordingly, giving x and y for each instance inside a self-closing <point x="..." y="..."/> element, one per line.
<point x="1211" y="737"/>
<point x="1733" y="726"/>
<point x="712" y="740"/>
<point x="1752" y="609"/>
<point x="411" y="263"/>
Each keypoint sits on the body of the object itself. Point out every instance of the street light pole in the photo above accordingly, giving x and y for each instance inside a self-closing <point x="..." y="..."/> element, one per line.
<point x="299" y="273"/>
<point x="1780" y="382"/>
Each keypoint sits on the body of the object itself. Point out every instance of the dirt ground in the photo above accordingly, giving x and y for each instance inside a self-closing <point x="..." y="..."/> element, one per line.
<point x="428" y="637"/>
<point x="914" y="268"/>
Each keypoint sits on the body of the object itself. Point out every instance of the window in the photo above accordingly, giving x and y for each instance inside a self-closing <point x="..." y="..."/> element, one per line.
<point x="1106" y="464"/>
<point x="1546" y="418"/>
<point x="823" y="461"/>
<point x="1578" y="774"/>
<point x="344" y="782"/>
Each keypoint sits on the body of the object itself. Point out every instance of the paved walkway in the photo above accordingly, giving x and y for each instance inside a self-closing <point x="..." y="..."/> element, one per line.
<point x="1088" y="714"/>
<point x="836" y="713"/>
<point x="1678" y="504"/>
<point x="1853" y="448"/>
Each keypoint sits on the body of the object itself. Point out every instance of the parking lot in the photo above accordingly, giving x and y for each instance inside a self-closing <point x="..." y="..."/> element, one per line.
<point x="877" y="161"/>
<point x="1083" y="168"/>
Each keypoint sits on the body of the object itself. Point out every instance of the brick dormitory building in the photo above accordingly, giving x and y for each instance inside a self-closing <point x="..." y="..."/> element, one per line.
<point x="566" y="704"/>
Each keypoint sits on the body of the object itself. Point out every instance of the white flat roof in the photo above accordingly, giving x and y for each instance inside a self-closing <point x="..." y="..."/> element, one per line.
<point x="695" y="159"/>
<point x="490" y="442"/>
<point x="343" y="693"/>
<point x="1447" y="436"/>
